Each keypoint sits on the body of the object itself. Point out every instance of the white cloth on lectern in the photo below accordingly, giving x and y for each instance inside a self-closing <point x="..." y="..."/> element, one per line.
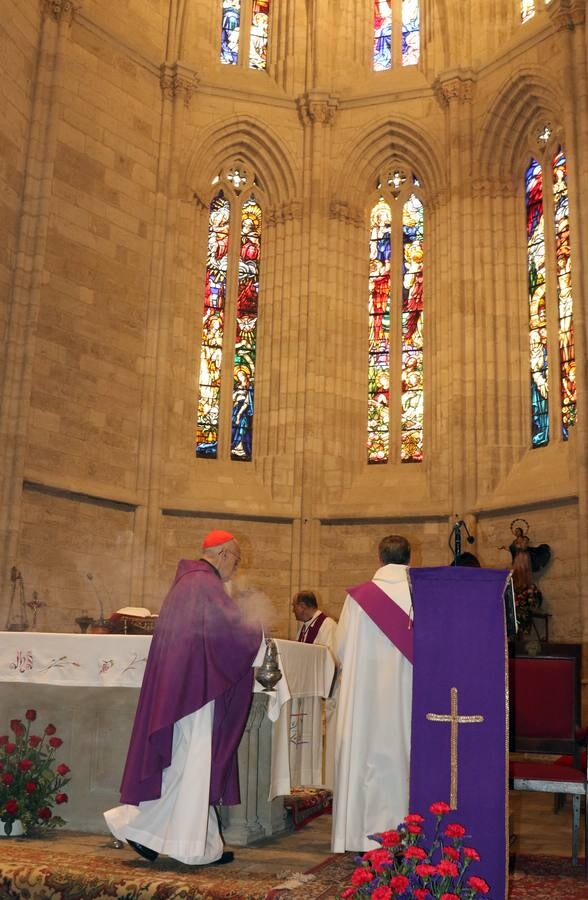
<point x="181" y="823"/>
<point x="372" y="753"/>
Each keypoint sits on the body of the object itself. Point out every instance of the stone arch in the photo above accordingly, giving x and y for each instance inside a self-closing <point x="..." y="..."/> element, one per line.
<point x="523" y="102"/>
<point x="255" y="145"/>
<point x="399" y="139"/>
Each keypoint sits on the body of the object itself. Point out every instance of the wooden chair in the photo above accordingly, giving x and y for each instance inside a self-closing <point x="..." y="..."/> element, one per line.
<point x="544" y="718"/>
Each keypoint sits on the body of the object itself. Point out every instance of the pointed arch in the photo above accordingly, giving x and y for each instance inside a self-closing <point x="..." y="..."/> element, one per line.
<point x="249" y="140"/>
<point x="399" y="139"/>
<point x="520" y="103"/>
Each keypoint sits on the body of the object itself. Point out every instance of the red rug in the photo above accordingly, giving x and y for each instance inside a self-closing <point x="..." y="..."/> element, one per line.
<point x="305" y="804"/>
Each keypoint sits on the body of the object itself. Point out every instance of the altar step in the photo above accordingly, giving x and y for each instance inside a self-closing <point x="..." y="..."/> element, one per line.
<point x="306" y="803"/>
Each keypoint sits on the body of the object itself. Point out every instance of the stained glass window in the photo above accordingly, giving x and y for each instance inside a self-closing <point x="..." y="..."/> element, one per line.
<point x="396" y="33"/>
<point x="527" y="9"/>
<point x="410" y="32"/>
<point x="379" y="333"/>
<point x="231" y="21"/>
<point x="382" y="35"/>
<point x="567" y="355"/>
<point x="412" y="331"/>
<point x="246" y="331"/>
<point x="537" y="305"/>
<point x="215" y="292"/>
<point x="258" y="34"/>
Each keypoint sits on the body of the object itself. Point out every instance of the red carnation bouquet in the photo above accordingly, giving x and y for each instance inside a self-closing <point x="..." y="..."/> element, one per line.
<point x="30" y="782"/>
<point x="410" y="865"/>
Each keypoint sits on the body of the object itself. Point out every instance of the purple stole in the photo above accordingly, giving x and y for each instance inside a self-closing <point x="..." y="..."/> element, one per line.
<point x="386" y="614"/>
<point x="310" y="634"/>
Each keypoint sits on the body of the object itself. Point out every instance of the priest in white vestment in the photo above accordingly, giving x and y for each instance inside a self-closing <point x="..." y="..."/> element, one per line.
<point x="372" y="750"/>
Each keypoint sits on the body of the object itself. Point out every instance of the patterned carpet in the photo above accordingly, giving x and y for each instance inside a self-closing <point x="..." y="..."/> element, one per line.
<point x="36" y="871"/>
<point x="306" y="804"/>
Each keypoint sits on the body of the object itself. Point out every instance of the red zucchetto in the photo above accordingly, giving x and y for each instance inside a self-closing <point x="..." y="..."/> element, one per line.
<point x="214" y="538"/>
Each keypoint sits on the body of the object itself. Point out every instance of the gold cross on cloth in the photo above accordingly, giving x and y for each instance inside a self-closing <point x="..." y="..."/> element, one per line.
<point x="455" y="720"/>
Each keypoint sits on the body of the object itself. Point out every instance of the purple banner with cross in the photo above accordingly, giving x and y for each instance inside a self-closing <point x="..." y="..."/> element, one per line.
<point x="459" y="749"/>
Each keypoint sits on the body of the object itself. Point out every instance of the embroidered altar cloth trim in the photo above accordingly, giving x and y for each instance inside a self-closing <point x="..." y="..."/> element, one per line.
<point x="77" y="660"/>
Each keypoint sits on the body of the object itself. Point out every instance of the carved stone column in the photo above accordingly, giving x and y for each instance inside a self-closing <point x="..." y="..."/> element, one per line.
<point x="455" y="93"/>
<point x="256" y="816"/>
<point x="56" y="19"/>
<point x="317" y="111"/>
<point x="178" y="85"/>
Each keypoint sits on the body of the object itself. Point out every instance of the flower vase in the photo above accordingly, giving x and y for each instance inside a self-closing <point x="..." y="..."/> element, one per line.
<point x="17" y="829"/>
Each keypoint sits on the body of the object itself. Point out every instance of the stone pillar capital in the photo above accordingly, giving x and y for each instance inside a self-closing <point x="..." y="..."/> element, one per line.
<point x="58" y="9"/>
<point x="453" y="87"/>
<point x="566" y="15"/>
<point x="288" y="212"/>
<point x="178" y="80"/>
<point x="317" y="106"/>
<point x="346" y="212"/>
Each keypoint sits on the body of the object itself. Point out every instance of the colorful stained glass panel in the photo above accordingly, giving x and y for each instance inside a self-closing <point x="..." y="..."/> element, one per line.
<point x="537" y="307"/>
<point x="229" y="53"/>
<point x="378" y="440"/>
<point x="382" y="35"/>
<point x="411" y="449"/>
<point x="527" y="10"/>
<point x="567" y="354"/>
<point x="410" y="32"/>
<point x="215" y="291"/>
<point x="258" y="34"/>
<point x="246" y="332"/>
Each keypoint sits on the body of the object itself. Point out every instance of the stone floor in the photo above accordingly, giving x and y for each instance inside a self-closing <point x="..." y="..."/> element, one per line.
<point x="538" y="829"/>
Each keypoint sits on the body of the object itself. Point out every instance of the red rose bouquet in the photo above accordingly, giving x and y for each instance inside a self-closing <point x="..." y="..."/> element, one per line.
<point x="30" y="782"/>
<point x="410" y="865"/>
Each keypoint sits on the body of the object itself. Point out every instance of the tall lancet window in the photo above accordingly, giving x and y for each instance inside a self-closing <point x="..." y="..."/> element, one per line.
<point x="537" y="305"/>
<point x="396" y="34"/>
<point x="229" y="324"/>
<point x="395" y="313"/>
<point x="551" y="327"/>
<point x="530" y="7"/>
<point x="563" y="262"/>
<point x="244" y="33"/>
<point x="527" y="9"/>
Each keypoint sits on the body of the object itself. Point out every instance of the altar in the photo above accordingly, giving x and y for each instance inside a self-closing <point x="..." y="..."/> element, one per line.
<point x="87" y="686"/>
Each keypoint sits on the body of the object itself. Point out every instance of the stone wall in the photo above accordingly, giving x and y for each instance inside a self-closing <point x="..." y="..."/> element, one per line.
<point x="118" y="118"/>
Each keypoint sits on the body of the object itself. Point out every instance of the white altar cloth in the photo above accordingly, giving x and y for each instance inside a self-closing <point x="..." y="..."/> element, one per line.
<point x="76" y="660"/>
<point x="98" y="660"/>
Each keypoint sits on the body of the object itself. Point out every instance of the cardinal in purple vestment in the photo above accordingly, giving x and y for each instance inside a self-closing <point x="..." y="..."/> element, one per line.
<point x="202" y="651"/>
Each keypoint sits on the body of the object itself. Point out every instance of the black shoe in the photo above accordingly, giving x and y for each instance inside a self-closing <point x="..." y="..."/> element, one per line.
<point x="227" y="857"/>
<point x="145" y="852"/>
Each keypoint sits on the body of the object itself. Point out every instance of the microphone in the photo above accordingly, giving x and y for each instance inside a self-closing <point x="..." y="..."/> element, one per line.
<point x="469" y="538"/>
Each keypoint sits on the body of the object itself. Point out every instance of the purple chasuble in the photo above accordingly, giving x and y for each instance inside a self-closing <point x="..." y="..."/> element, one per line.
<point x="459" y="751"/>
<point x="309" y="636"/>
<point x="386" y="614"/>
<point x="201" y="651"/>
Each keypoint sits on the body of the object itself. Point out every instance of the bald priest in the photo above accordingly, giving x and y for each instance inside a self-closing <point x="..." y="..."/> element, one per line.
<point x="192" y="711"/>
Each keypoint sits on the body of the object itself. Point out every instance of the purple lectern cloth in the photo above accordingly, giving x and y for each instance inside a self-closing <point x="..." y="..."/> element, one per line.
<point x="460" y="642"/>
<point x="201" y="651"/>
<point x="386" y="614"/>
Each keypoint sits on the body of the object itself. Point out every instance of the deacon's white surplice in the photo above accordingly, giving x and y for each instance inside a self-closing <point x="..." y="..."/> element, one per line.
<point x="180" y="823"/>
<point x="372" y="753"/>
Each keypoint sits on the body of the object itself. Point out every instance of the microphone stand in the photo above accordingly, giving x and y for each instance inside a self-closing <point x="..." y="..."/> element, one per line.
<point x="455" y="539"/>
